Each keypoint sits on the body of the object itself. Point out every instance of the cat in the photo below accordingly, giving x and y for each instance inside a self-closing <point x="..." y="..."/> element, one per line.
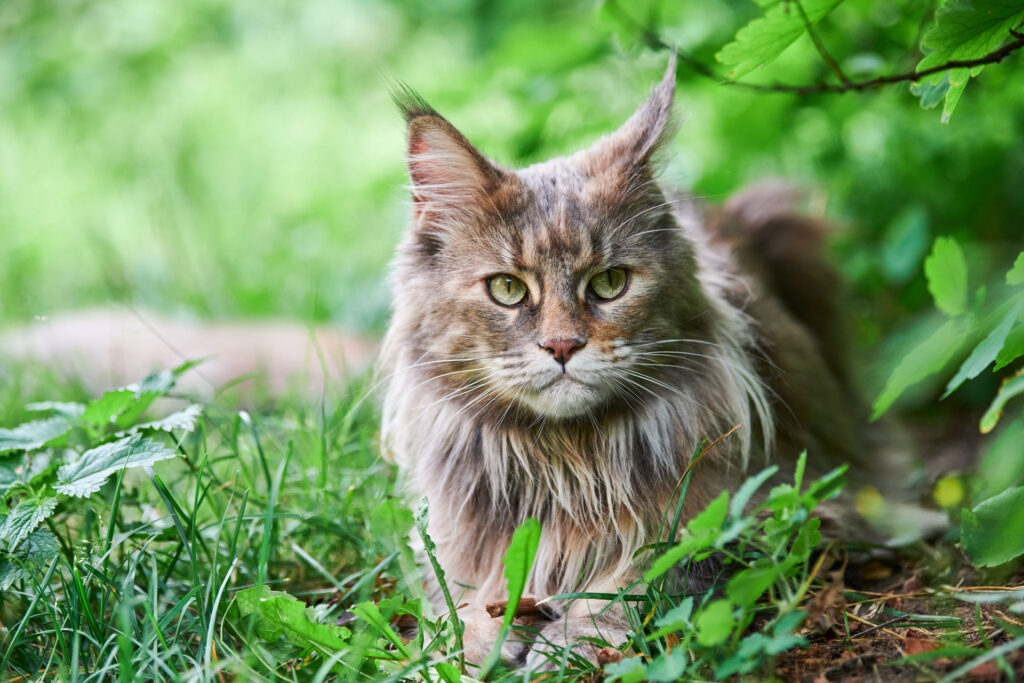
<point x="563" y="338"/>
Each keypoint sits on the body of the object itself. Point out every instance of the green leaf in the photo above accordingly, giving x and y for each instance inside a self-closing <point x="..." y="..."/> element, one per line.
<point x="946" y="271"/>
<point x="629" y="670"/>
<point x="35" y="552"/>
<point x="184" y="420"/>
<point x="23" y="468"/>
<point x="70" y="411"/>
<point x="711" y="517"/>
<point x="1015" y="276"/>
<point x="748" y="489"/>
<point x="86" y="475"/>
<point x="745" y="587"/>
<point x="715" y="622"/>
<point x="765" y="38"/>
<point x="1013" y="348"/>
<point x="370" y="613"/>
<point x="964" y="31"/>
<point x="24" y="519"/>
<point x="985" y="352"/>
<point x="928" y="358"/>
<point x="280" y="615"/>
<point x="930" y="93"/>
<point x="991" y="532"/>
<point x="1011" y="387"/>
<point x="31" y="435"/>
<point x="670" y="667"/>
<point x="905" y="244"/>
<point x="107" y="407"/>
<point x="519" y="562"/>
<point x="676" y="619"/>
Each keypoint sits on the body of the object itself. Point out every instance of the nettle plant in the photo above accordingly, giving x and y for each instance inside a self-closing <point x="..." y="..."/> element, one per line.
<point x="766" y="551"/>
<point x="989" y="322"/>
<point x="69" y="455"/>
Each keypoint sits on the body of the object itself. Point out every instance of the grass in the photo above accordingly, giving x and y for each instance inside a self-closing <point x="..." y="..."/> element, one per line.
<point x="239" y="558"/>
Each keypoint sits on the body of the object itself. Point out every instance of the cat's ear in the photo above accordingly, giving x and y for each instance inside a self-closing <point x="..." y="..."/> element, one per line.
<point x="447" y="173"/>
<point x="629" y="150"/>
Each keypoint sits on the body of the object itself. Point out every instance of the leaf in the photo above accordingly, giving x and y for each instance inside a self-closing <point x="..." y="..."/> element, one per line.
<point x="1011" y="387"/>
<point x="280" y="615"/>
<point x="985" y="352"/>
<point x="991" y="532"/>
<point x="965" y="31"/>
<point x="31" y="435"/>
<point x="669" y="667"/>
<point x="370" y="613"/>
<point x="23" y="468"/>
<point x="87" y="474"/>
<point x="748" y="489"/>
<point x="1015" y="276"/>
<point x="946" y="271"/>
<point x="518" y="562"/>
<point x="35" y="552"/>
<point x="928" y="358"/>
<point x="70" y="411"/>
<point x="765" y="38"/>
<point x="745" y="587"/>
<point x="905" y="244"/>
<point x="715" y="623"/>
<point x="107" y="407"/>
<point x="930" y="93"/>
<point x="1013" y="348"/>
<point x="24" y="519"/>
<point x="184" y="420"/>
<point x="629" y="670"/>
<point x="711" y="517"/>
<point x="676" y="619"/>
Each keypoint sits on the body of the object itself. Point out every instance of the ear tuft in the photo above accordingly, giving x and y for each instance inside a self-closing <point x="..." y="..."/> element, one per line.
<point x="632" y="146"/>
<point x="410" y="103"/>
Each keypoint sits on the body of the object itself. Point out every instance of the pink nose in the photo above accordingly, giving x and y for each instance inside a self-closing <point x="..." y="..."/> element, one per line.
<point x="562" y="349"/>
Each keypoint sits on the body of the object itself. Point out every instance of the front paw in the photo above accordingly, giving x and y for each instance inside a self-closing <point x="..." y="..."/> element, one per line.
<point x="577" y="643"/>
<point x="479" y="636"/>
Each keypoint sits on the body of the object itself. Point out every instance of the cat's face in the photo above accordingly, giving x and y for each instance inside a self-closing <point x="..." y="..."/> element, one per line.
<point x="562" y="288"/>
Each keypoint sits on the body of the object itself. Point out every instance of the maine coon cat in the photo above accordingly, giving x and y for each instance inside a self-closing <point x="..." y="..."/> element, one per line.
<point x="565" y="335"/>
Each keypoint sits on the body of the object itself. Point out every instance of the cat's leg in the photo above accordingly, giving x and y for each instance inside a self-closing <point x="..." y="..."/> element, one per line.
<point x="481" y="631"/>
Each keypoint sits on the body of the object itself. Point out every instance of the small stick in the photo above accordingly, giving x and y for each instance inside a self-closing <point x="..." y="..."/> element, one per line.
<point x="527" y="607"/>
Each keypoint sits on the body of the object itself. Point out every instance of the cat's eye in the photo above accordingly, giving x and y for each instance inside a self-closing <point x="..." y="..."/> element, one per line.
<point x="609" y="284"/>
<point x="507" y="290"/>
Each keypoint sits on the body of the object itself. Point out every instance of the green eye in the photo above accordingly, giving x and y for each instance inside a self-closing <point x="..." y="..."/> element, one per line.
<point x="507" y="290"/>
<point x="609" y="284"/>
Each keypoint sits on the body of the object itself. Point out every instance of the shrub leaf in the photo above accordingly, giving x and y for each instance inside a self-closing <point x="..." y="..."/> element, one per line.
<point x="86" y="475"/>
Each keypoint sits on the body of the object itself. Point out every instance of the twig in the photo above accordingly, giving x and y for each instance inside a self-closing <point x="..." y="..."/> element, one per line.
<point x="820" y="45"/>
<point x="874" y="627"/>
<point x="654" y="41"/>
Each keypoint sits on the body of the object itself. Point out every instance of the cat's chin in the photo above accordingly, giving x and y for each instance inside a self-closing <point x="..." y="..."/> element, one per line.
<point x="565" y="398"/>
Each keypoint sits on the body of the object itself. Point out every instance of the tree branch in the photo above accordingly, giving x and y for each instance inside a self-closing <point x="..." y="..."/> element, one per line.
<point x="654" y="41"/>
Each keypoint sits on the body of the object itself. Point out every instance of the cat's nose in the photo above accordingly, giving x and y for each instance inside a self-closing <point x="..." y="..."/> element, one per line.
<point x="562" y="349"/>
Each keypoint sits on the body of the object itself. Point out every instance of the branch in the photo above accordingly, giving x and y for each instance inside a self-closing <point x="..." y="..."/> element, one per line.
<point x="993" y="57"/>
<point x="654" y="41"/>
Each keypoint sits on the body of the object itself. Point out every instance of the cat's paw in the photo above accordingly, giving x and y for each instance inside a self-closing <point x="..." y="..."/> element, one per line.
<point x="575" y="642"/>
<point x="480" y="635"/>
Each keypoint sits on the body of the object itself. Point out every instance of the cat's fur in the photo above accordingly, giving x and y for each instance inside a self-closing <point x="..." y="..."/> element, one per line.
<point x="727" y="320"/>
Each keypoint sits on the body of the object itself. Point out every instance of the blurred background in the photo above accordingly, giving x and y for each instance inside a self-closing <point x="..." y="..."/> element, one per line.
<point x="218" y="159"/>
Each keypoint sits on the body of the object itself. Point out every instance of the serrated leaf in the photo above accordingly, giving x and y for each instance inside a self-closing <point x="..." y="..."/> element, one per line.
<point x="928" y="358"/>
<point x="85" y="476"/>
<point x="22" y="468"/>
<point x="991" y="532"/>
<point x="184" y="420"/>
<point x="967" y="30"/>
<point x="36" y="551"/>
<point x="985" y="352"/>
<point x="24" y="519"/>
<point x="765" y="38"/>
<point x="946" y="271"/>
<point x="1010" y="388"/>
<point x="279" y="615"/>
<point x="964" y="31"/>
<point x="107" y="407"/>
<point x="32" y="435"/>
<point x="715" y="622"/>
<point x="1015" y="275"/>
<point x="70" y="411"/>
